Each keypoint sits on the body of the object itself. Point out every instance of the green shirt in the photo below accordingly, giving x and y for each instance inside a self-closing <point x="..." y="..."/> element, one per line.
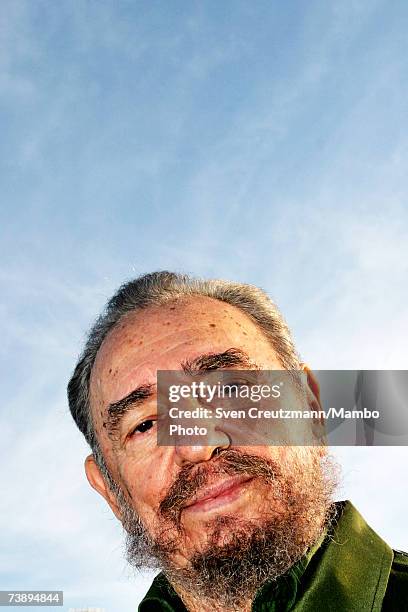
<point x="354" y="570"/>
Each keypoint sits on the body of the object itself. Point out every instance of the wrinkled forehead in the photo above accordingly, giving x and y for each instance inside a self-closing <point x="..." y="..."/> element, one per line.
<point x="161" y="337"/>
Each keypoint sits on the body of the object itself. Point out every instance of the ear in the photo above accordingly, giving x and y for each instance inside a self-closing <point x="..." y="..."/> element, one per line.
<point x="319" y="425"/>
<point x="313" y="385"/>
<point x="97" y="481"/>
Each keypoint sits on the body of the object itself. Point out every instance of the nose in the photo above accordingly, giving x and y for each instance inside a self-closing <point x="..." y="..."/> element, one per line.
<point x="219" y="440"/>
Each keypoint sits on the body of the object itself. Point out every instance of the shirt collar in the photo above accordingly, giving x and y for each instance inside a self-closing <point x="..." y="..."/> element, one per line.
<point x="282" y="593"/>
<point x="350" y="570"/>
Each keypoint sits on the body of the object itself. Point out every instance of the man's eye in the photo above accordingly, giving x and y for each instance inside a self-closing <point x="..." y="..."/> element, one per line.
<point x="142" y="427"/>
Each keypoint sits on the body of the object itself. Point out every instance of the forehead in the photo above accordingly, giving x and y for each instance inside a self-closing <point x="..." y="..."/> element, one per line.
<point x="161" y="337"/>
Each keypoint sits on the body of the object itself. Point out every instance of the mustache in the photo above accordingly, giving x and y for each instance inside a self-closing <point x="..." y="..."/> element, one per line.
<point x="192" y="477"/>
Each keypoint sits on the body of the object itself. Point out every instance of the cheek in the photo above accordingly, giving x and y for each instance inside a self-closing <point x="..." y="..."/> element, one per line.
<point x="147" y="484"/>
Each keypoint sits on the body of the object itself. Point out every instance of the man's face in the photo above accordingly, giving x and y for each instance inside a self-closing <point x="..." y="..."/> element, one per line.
<point x="189" y="495"/>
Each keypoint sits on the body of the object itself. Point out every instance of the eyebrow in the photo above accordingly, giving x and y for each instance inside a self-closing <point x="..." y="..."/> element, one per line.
<point x="117" y="410"/>
<point x="216" y="361"/>
<point x="207" y="362"/>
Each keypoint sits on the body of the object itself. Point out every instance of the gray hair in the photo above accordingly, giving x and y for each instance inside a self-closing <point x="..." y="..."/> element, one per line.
<point x="159" y="288"/>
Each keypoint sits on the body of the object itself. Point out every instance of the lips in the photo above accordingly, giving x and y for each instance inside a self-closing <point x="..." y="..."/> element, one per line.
<point x="218" y="493"/>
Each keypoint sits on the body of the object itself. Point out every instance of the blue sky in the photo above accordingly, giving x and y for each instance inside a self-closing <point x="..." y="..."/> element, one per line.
<point x="264" y="142"/>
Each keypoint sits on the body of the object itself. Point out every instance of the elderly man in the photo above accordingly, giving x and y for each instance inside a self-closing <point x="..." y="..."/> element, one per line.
<point x="231" y="527"/>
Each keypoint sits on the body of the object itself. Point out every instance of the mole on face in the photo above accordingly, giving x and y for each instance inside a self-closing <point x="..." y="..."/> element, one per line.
<point x="213" y="325"/>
